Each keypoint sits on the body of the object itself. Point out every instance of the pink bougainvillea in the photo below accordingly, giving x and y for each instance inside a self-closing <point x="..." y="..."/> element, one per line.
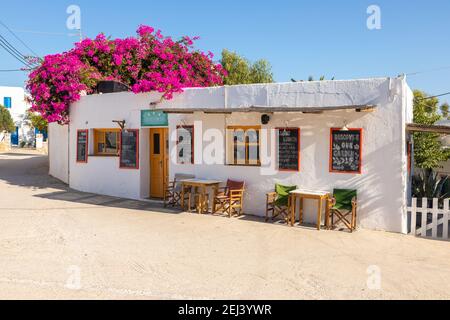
<point x="149" y="62"/>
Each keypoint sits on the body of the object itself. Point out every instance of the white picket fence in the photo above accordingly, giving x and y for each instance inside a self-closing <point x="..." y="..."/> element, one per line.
<point x="430" y="222"/>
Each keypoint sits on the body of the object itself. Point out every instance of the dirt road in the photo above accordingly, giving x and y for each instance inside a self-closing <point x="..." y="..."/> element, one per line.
<point x="61" y="244"/>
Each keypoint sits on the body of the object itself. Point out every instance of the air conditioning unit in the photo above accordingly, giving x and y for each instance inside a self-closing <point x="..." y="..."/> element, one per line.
<point x="111" y="87"/>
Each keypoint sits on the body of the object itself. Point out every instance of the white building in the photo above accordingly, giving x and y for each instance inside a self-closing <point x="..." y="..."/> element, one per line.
<point x="84" y="154"/>
<point x="13" y="98"/>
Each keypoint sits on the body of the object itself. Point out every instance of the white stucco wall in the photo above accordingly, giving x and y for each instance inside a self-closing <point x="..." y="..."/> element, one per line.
<point x="58" y="151"/>
<point x="18" y="111"/>
<point x="382" y="186"/>
<point x="102" y="174"/>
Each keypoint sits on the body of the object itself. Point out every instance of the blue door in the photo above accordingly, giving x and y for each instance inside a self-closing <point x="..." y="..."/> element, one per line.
<point x="15" y="137"/>
<point x="36" y="131"/>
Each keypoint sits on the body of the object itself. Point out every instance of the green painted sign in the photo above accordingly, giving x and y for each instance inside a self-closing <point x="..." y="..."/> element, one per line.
<point x="151" y="118"/>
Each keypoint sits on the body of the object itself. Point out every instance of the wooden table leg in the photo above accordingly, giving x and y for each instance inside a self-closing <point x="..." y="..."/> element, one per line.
<point x="203" y="200"/>
<point x="319" y="215"/>
<point x="292" y="213"/>
<point x="182" y="196"/>
<point x="301" y="210"/>
<point x="215" y="192"/>
<point x="327" y="213"/>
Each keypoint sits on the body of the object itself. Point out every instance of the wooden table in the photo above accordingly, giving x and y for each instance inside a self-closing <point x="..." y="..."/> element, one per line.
<point x="201" y="184"/>
<point x="302" y="194"/>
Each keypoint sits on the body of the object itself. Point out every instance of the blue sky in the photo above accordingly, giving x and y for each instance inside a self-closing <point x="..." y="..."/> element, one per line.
<point x="299" y="38"/>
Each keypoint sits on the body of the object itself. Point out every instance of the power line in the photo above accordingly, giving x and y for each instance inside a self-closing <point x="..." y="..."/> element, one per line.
<point x="45" y="33"/>
<point x="436" y="96"/>
<point x="15" y="70"/>
<point x="429" y="70"/>
<point x="13" y="54"/>
<point x="20" y="40"/>
<point x="14" y="49"/>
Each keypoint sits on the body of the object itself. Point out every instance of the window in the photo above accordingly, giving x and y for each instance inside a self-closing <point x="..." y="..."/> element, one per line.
<point x="156" y="144"/>
<point x="7" y="102"/>
<point x="106" y="142"/>
<point x="185" y="144"/>
<point x="243" y="145"/>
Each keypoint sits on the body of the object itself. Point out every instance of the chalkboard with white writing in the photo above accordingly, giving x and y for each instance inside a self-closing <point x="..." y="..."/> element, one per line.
<point x="129" y="149"/>
<point x="82" y="146"/>
<point x="289" y="149"/>
<point x="346" y="150"/>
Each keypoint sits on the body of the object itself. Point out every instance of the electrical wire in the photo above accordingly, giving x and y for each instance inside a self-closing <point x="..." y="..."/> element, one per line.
<point x="429" y="70"/>
<point x="17" y="37"/>
<point x="13" y="54"/>
<point x="436" y="96"/>
<point x="45" y="33"/>
<point x="15" y="70"/>
<point x="17" y="52"/>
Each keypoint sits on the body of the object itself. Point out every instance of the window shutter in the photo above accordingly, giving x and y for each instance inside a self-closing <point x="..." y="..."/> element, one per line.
<point x="7" y="102"/>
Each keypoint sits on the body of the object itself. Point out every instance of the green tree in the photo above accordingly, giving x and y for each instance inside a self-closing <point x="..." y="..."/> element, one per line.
<point x="445" y="109"/>
<point x="242" y="71"/>
<point x="6" y="121"/>
<point x="428" y="150"/>
<point x="37" y="121"/>
<point x="311" y="78"/>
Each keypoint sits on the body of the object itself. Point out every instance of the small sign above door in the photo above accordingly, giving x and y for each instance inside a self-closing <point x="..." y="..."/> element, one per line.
<point x="150" y="118"/>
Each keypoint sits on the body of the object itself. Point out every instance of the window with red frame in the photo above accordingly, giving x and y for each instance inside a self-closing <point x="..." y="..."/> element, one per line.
<point x="346" y="151"/>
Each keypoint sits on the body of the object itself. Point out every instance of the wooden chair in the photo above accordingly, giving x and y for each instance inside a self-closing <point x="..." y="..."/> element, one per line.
<point x="172" y="191"/>
<point x="343" y="206"/>
<point x="279" y="202"/>
<point x="230" y="199"/>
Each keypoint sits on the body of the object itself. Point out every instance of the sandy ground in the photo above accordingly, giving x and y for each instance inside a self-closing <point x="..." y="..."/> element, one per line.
<point x="60" y="244"/>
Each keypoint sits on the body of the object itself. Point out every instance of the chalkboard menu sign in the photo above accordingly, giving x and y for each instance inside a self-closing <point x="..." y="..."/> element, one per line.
<point x="82" y="146"/>
<point x="289" y="149"/>
<point x="185" y="144"/>
<point x="129" y="149"/>
<point x="346" y="150"/>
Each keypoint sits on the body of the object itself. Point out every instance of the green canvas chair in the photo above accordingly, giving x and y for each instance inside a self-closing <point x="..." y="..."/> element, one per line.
<point x="279" y="202"/>
<point x="342" y="208"/>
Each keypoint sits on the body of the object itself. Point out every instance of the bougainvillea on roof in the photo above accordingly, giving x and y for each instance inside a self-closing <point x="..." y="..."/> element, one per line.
<point x="149" y="62"/>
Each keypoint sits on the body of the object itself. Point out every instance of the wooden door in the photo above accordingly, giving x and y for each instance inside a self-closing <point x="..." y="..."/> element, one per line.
<point x="158" y="162"/>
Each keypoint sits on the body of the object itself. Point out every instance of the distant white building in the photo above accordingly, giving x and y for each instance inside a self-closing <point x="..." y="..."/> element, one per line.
<point x="13" y="98"/>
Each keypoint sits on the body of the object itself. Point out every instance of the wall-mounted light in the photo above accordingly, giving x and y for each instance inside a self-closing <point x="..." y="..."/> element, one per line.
<point x="265" y="119"/>
<point x="122" y="123"/>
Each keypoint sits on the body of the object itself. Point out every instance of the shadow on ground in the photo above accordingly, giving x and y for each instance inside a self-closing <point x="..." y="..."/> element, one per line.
<point x="30" y="170"/>
<point x="107" y="201"/>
